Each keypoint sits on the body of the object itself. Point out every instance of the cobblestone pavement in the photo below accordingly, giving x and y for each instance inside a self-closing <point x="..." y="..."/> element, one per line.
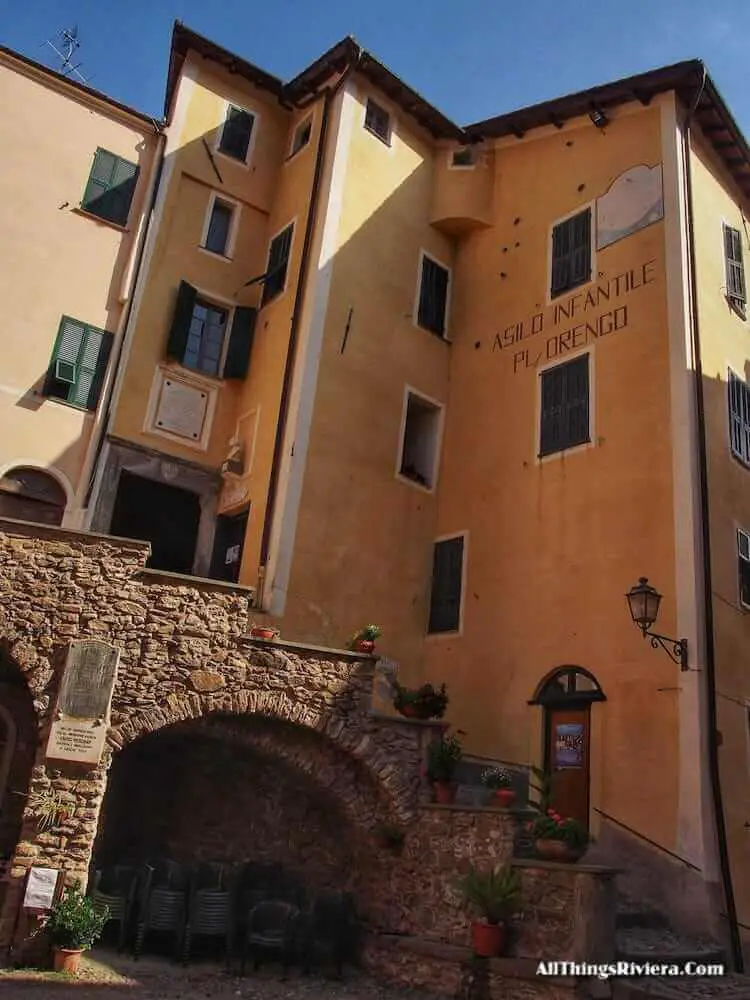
<point x="106" y="976"/>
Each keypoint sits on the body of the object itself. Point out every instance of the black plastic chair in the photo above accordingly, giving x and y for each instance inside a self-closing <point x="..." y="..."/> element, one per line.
<point x="115" y="889"/>
<point x="328" y="930"/>
<point x="270" y="930"/>
<point x="162" y="905"/>
<point x="209" y="910"/>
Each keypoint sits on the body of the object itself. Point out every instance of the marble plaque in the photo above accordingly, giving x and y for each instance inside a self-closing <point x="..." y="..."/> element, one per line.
<point x="181" y="409"/>
<point x="40" y="889"/>
<point x="79" y="727"/>
<point x="77" y="740"/>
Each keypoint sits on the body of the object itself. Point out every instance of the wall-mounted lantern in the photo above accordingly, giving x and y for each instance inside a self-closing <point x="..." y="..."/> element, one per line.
<point x="643" y="601"/>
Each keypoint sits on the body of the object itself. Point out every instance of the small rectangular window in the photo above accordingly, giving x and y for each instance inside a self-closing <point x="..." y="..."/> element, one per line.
<point x="571" y="253"/>
<point x="301" y="136"/>
<point x="78" y="364"/>
<point x="739" y="417"/>
<point x="464" y="157"/>
<point x="199" y="330"/>
<point x="219" y="227"/>
<point x="433" y="296"/>
<point x="565" y="406"/>
<point x="236" y="133"/>
<point x="110" y="188"/>
<point x="421" y="441"/>
<point x="278" y="265"/>
<point x="447" y="584"/>
<point x="378" y="121"/>
<point x="743" y="558"/>
<point x="735" y="269"/>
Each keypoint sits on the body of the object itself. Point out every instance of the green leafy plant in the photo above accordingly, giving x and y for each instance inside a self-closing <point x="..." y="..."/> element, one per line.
<point x="497" y="777"/>
<point x="424" y="702"/>
<point x="47" y="808"/>
<point x="494" y="894"/>
<point x="367" y="634"/>
<point x="442" y="757"/>
<point x="390" y="835"/>
<point x="553" y="826"/>
<point x="541" y="783"/>
<point x="74" y="923"/>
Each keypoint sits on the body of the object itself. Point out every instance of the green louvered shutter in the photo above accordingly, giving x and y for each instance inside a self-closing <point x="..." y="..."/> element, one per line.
<point x="110" y="188"/>
<point x="78" y="364"/>
<point x="92" y="367"/>
<point x="240" y="342"/>
<point x="735" y="267"/>
<point x="181" y="320"/>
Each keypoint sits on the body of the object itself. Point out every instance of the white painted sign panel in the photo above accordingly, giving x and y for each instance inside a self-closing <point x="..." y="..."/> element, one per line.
<point x="40" y="889"/>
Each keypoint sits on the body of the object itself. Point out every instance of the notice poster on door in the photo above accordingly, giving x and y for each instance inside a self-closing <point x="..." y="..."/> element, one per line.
<point x="568" y="745"/>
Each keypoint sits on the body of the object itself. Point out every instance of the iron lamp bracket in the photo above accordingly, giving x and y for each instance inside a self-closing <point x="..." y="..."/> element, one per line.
<point x="676" y="649"/>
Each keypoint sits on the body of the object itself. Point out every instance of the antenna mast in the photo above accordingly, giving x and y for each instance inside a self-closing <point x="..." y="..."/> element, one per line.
<point x="65" y="49"/>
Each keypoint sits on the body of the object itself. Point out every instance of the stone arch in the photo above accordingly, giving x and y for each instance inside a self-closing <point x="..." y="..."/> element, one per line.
<point x="30" y="492"/>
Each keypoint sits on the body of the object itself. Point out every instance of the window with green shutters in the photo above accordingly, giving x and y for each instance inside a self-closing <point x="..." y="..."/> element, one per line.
<point x="565" y="406"/>
<point x="571" y="253"/>
<point x="198" y="332"/>
<point x="278" y="264"/>
<point x="433" y="296"/>
<point x="447" y="584"/>
<point x="735" y="269"/>
<point x="111" y="186"/>
<point x="739" y="417"/>
<point x="78" y="364"/>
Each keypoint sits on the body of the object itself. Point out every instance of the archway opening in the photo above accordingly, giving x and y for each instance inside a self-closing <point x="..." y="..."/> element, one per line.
<point x="29" y="494"/>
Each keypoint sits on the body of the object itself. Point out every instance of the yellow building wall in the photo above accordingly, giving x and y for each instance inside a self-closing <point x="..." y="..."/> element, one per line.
<point x="554" y="545"/>
<point x="725" y="340"/>
<point x="362" y="544"/>
<point x="55" y="260"/>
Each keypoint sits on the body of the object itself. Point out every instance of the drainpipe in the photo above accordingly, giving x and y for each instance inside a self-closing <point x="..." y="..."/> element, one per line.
<point x="120" y="346"/>
<point x="713" y="746"/>
<point x="304" y="268"/>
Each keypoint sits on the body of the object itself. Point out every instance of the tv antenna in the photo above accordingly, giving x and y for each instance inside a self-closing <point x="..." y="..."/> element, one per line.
<point x="65" y="50"/>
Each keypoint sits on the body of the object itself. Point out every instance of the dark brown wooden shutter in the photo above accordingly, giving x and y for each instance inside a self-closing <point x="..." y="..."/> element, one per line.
<point x="181" y="320"/>
<point x="565" y="406"/>
<point x="571" y="253"/>
<point x="240" y="344"/>
<point x="447" y="582"/>
<point x="433" y="297"/>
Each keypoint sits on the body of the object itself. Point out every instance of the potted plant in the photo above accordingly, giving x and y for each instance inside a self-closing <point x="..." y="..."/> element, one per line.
<point x="424" y="702"/>
<point x="442" y="757"/>
<point x="263" y="632"/>
<point x="390" y="836"/>
<point x="558" y="838"/>
<point x="47" y="807"/>
<point x="494" y="895"/>
<point x="364" y="640"/>
<point x="73" y="926"/>
<point x="500" y="780"/>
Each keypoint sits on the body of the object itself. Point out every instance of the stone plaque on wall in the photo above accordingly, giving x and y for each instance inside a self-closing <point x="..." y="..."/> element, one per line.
<point x="181" y="409"/>
<point x="79" y="726"/>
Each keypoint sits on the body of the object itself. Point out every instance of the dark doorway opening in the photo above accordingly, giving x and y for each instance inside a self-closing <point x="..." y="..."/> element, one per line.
<point x="229" y="540"/>
<point x="166" y="516"/>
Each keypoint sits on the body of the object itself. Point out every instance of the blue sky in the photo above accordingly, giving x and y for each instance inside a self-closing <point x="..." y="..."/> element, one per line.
<point x="472" y="59"/>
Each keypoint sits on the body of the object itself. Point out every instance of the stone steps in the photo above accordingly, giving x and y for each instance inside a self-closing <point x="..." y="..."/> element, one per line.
<point x="662" y="945"/>
<point x="729" y="987"/>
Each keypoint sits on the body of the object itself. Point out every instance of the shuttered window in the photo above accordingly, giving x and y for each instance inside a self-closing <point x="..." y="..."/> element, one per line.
<point x="78" y="364"/>
<point x="447" y="582"/>
<point x="565" y="406"/>
<point x="378" y="121"/>
<point x="739" y="417"/>
<point x="196" y="337"/>
<point x="111" y="186"/>
<point x="278" y="264"/>
<point x="743" y="559"/>
<point x="571" y="253"/>
<point x="433" y="296"/>
<point x="236" y="133"/>
<point x="735" y="268"/>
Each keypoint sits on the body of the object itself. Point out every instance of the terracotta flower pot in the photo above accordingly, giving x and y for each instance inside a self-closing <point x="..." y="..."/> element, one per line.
<point x="488" y="940"/>
<point x="445" y="793"/>
<point x="408" y="711"/>
<point x="263" y="633"/>
<point x="505" y="797"/>
<point x="364" y="645"/>
<point x="556" y="850"/>
<point x="67" y="960"/>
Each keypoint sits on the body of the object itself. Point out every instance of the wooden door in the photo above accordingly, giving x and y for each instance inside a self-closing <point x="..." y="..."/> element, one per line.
<point x="567" y="760"/>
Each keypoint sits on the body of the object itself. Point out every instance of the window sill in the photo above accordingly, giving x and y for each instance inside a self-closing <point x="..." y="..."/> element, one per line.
<point x="97" y="218"/>
<point x="738" y="307"/>
<point x="216" y="255"/>
<point x="433" y="333"/>
<point x="424" y="487"/>
<point x="553" y="296"/>
<point x="570" y="450"/>
<point x="457" y="634"/>
<point x="200" y="379"/>
<point x="234" y="159"/>
<point x="66" y="404"/>
<point x="386" y="141"/>
<point x="296" y="153"/>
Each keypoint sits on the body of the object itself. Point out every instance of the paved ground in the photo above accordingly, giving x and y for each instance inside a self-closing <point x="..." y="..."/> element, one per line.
<point x="105" y="976"/>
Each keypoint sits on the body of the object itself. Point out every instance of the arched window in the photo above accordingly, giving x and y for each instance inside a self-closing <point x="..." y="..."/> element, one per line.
<point x="568" y="686"/>
<point x="7" y="749"/>
<point x="31" y="495"/>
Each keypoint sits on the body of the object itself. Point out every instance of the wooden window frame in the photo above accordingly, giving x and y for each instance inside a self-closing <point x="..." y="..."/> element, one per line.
<point x="453" y="632"/>
<point x="552" y="293"/>
<point x="386" y="139"/>
<point x="734" y="269"/>
<point x="573" y="444"/>
<point x="424" y="255"/>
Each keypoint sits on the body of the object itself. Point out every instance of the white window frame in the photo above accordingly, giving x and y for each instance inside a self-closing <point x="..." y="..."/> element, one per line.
<point x="550" y="301"/>
<point x="561" y="360"/>
<point x="437" y="636"/>
<point x="6" y="759"/>
<point x="410" y="391"/>
<point x="282" y="293"/>
<point x="732" y="374"/>
<point x="253" y="135"/>
<point x="385" y="106"/>
<point x="293" y="154"/>
<point x="448" y="296"/>
<point x="738" y="555"/>
<point x="234" y="223"/>
<point x="463" y="166"/>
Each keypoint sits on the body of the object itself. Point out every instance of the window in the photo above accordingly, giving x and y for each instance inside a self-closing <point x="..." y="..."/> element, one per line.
<point x="218" y="232"/>
<point x="571" y="253"/>
<point x="32" y="495"/>
<point x="565" y="406"/>
<point x="199" y="327"/>
<point x="739" y="418"/>
<point x="78" y="364"/>
<point x="464" y="157"/>
<point x="736" y="292"/>
<point x="235" y="134"/>
<point x="110" y="187"/>
<point x="420" y="444"/>
<point x="433" y="296"/>
<point x="278" y="263"/>
<point x="447" y="582"/>
<point x="301" y="136"/>
<point x="743" y="557"/>
<point x="378" y="121"/>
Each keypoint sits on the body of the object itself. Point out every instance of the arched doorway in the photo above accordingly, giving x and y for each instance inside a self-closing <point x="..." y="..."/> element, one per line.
<point x="18" y="742"/>
<point x="32" y="495"/>
<point x="566" y="696"/>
